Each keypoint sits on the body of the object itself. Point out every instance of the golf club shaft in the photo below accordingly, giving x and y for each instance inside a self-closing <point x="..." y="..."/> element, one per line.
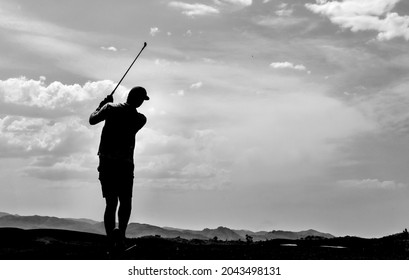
<point x="144" y="45"/>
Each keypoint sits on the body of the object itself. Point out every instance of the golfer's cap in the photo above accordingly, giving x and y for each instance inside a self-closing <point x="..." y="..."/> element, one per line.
<point x="139" y="92"/>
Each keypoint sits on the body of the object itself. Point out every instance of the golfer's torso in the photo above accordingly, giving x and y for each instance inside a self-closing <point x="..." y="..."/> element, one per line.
<point x="118" y="134"/>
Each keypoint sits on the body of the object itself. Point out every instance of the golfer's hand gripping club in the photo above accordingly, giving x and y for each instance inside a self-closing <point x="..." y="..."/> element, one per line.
<point x="108" y="99"/>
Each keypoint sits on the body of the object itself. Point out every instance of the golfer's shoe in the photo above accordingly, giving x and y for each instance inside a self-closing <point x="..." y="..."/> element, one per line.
<point x="119" y="240"/>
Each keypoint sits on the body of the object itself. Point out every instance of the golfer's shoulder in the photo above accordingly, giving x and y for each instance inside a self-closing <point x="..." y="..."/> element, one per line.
<point x="116" y="106"/>
<point x="109" y="107"/>
<point x="141" y="117"/>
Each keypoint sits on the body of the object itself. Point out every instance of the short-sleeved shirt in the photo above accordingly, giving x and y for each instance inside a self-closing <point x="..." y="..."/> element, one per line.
<point x="122" y="122"/>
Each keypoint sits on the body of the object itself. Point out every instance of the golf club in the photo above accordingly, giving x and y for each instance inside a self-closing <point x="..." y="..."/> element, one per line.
<point x="144" y="45"/>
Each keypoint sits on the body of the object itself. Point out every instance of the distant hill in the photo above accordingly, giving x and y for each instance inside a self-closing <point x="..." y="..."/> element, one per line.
<point x="221" y="233"/>
<point x="85" y="220"/>
<point x="38" y="222"/>
<point x="3" y="214"/>
<point x="138" y="230"/>
<point x="280" y="234"/>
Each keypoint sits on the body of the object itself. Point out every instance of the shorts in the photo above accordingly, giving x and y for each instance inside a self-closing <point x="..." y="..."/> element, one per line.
<point x="116" y="177"/>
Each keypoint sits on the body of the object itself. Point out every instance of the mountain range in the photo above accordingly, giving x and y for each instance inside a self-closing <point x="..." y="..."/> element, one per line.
<point x="138" y="230"/>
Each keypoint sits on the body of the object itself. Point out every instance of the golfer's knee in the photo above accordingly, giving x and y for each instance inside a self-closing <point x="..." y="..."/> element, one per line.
<point x="125" y="200"/>
<point x="125" y="206"/>
<point x="111" y="204"/>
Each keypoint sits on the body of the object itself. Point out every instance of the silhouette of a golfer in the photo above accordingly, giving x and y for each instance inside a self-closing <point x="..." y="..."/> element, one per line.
<point x="116" y="163"/>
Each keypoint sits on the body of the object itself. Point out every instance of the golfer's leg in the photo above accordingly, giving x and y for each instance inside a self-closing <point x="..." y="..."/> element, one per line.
<point x="124" y="213"/>
<point x="109" y="216"/>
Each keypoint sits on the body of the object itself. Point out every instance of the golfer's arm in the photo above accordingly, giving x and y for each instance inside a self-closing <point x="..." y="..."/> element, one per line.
<point x="98" y="115"/>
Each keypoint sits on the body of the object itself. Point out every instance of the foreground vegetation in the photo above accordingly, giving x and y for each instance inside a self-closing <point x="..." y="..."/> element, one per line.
<point x="62" y="244"/>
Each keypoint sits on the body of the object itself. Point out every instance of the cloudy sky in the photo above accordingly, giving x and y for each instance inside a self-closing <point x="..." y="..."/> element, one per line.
<point x="264" y="114"/>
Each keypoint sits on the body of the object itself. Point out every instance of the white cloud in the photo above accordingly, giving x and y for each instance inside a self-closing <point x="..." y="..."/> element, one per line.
<point x="50" y="119"/>
<point x="194" y="9"/>
<point x="154" y="31"/>
<point x="33" y="93"/>
<point x="179" y="92"/>
<point x="229" y="6"/>
<point x="370" y="184"/>
<point x="198" y="9"/>
<point x="196" y="85"/>
<point x="243" y="3"/>
<point x="24" y="136"/>
<point x="288" y="65"/>
<point x="283" y="11"/>
<point x="161" y="62"/>
<point x="362" y="15"/>
<point x="278" y="21"/>
<point x="111" y="48"/>
<point x="188" y="33"/>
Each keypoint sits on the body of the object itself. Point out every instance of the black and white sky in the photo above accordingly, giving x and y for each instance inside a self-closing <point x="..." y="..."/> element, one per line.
<point x="264" y="114"/>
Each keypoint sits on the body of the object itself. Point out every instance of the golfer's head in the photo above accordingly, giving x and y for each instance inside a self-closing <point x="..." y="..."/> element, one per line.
<point x="137" y="96"/>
